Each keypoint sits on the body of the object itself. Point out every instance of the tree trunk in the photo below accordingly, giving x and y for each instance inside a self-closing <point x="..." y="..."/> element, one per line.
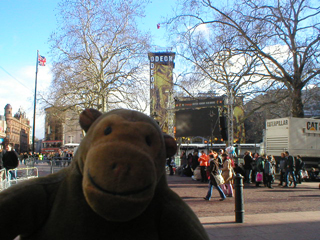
<point x="297" y="105"/>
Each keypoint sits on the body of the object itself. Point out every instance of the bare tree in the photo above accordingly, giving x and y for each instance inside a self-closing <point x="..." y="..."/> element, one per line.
<point x="284" y="37"/>
<point x="99" y="55"/>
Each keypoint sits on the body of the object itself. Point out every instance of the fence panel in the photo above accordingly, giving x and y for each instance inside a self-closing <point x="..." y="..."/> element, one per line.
<point x="17" y="175"/>
<point x="3" y="179"/>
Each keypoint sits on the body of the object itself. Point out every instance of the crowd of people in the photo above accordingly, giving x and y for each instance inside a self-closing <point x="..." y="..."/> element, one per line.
<point x="10" y="159"/>
<point x="38" y="157"/>
<point x="256" y="169"/>
<point x="292" y="169"/>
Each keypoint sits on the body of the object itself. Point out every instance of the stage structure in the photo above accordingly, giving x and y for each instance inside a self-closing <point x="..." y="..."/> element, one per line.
<point x="208" y="118"/>
<point x="198" y="117"/>
<point x="161" y="88"/>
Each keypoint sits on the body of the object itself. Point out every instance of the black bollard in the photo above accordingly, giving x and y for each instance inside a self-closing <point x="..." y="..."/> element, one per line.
<point x="239" y="206"/>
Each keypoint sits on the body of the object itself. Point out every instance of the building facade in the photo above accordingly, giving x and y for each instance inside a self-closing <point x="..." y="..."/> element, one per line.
<point x="61" y="127"/>
<point x="17" y="129"/>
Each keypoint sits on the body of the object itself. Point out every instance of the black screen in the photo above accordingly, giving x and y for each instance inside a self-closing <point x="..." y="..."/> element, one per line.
<point x="197" y="122"/>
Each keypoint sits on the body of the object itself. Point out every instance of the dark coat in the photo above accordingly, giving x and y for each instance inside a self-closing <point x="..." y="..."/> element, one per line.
<point x="195" y="162"/>
<point x="299" y="164"/>
<point x="290" y="163"/>
<point x="10" y="159"/>
<point x="213" y="169"/>
<point x="259" y="164"/>
<point x="1" y="163"/>
<point x="247" y="162"/>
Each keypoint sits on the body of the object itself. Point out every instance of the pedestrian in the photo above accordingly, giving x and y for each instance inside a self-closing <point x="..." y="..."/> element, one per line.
<point x="189" y="159"/>
<point x="1" y="155"/>
<point x="203" y="162"/>
<point x="268" y="171"/>
<point x="221" y="151"/>
<point x="227" y="175"/>
<point x="213" y="169"/>
<point x="187" y="172"/>
<point x="25" y="158"/>
<point x="290" y="170"/>
<point x="10" y="160"/>
<point x="248" y="166"/>
<point x="259" y="169"/>
<point x="183" y="159"/>
<point x="283" y="167"/>
<point x="170" y="166"/>
<point x="299" y="167"/>
<point x="40" y="157"/>
<point x="274" y="164"/>
<point x="194" y="164"/>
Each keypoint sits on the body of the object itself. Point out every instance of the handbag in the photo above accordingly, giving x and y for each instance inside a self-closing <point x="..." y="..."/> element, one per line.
<point x="219" y="179"/>
<point x="259" y="177"/>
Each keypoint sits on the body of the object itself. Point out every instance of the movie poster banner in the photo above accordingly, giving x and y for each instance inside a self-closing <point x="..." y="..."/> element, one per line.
<point x="161" y="84"/>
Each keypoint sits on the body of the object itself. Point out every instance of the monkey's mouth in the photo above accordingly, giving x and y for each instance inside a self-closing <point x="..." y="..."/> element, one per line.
<point x="123" y="194"/>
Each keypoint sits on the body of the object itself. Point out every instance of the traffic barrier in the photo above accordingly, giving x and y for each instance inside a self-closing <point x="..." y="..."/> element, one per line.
<point x="57" y="165"/>
<point x="3" y="179"/>
<point x="17" y="175"/>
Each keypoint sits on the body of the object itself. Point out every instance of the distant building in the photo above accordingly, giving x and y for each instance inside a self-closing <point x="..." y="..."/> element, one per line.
<point x="61" y="127"/>
<point x="3" y="127"/>
<point x="17" y="129"/>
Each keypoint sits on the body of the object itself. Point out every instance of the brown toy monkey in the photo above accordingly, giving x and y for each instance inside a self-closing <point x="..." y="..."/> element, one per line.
<point x="115" y="188"/>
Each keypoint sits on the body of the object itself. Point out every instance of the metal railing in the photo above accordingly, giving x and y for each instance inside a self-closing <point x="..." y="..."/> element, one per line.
<point x="16" y="175"/>
<point x="3" y="179"/>
<point x="55" y="164"/>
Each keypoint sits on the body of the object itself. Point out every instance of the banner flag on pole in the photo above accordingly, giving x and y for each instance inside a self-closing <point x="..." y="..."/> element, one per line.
<point x="42" y="60"/>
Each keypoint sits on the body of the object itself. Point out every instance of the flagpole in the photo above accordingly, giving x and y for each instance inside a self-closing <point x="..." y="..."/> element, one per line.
<point x="35" y="103"/>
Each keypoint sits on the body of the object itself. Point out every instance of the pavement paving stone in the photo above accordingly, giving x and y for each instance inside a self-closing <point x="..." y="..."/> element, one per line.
<point x="273" y="222"/>
<point x="277" y="226"/>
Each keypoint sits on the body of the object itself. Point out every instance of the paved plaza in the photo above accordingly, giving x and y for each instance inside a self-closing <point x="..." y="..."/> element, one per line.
<point x="271" y="214"/>
<point x="278" y="213"/>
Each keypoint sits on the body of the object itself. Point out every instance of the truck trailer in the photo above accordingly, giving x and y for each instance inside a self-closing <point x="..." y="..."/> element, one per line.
<point x="298" y="136"/>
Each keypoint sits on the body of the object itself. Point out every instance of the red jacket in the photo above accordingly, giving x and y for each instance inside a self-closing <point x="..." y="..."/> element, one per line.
<point x="203" y="159"/>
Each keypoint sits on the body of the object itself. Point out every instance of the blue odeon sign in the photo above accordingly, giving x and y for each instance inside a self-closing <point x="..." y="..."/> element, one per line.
<point x="163" y="58"/>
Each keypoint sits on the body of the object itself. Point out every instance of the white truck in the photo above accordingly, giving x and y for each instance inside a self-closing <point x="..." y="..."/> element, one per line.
<point x="298" y="136"/>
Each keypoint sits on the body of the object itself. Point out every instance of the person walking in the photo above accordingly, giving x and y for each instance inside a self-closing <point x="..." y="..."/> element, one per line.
<point x="194" y="164"/>
<point x="170" y="166"/>
<point x="213" y="169"/>
<point x="290" y="170"/>
<point x="268" y="172"/>
<point x="248" y="165"/>
<point x="183" y="159"/>
<point x="259" y="168"/>
<point x="203" y="160"/>
<point x="10" y="160"/>
<point x="283" y="167"/>
<point x="227" y="175"/>
<point x="299" y="167"/>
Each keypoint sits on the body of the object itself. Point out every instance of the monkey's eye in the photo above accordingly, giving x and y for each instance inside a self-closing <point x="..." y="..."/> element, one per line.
<point x="107" y="131"/>
<point x="148" y="140"/>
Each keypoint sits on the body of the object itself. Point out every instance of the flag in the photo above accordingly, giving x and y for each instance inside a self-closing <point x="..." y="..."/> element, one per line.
<point x="158" y="25"/>
<point x="42" y="60"/>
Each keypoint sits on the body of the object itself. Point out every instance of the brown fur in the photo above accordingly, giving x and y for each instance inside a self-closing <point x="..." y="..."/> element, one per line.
<point x="115" y="188"/>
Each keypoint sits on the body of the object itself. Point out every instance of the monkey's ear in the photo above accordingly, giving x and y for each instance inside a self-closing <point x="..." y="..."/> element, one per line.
<point x="87" y="117"/>
<point x="170" y="144"/>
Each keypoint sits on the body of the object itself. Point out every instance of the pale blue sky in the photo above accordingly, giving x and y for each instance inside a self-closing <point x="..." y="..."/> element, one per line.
<point x="25" y="26"/>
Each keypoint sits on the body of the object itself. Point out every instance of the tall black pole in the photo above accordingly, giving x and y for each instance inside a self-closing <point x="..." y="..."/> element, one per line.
<point x="35" y="103"/>
<point x="238" y="200"/>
